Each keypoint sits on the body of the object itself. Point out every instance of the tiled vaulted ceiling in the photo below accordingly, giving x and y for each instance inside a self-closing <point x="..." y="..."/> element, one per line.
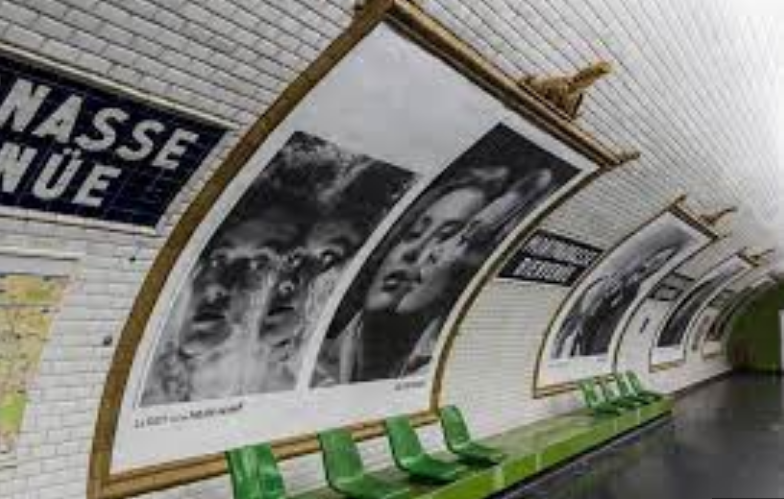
<point x="696" y="87"/>
<point x="696" y="83"/>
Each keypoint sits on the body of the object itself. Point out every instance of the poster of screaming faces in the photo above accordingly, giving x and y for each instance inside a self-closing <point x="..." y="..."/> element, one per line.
<point x="72" y="148"/>
<point x="321" y="287"/>
<point x="585" y="331"/>
<point x="669" y="345"/>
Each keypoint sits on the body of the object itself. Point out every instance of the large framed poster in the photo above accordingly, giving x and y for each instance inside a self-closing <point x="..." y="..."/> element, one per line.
<point x="669" y="345"/>
<point x="31" y="290"/>
<point x="715" y="337"/>
<point x="584" y="333"/>
<point x="320" y="288"/>
<point x="704" y="323"/>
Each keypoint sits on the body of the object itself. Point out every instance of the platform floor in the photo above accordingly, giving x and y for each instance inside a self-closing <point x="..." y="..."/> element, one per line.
<point x="725" y="440"/>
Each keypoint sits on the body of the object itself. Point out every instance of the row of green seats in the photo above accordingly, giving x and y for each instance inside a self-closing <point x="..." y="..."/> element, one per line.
<point x="606" y="401"/>
<point x="255" y="473"/>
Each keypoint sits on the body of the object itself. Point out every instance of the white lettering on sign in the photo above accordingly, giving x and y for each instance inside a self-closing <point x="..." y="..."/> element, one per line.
<point x="143" y="135"/>
<point x="96" y="183"/>
<point x="174" y="148"/>
<point x="80" y="150"/>
<point x="62" y="177"/>
<point x="22" y="103"/>
<point x="104" y="123"/>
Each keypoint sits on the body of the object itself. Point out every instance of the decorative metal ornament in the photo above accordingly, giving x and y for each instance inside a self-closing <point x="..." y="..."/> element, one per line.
<point x="566" y="93"/>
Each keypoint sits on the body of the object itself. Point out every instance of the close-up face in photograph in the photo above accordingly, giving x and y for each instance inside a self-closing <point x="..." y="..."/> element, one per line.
<point x="305" y="273"/>
<point x="257" y="290"/>
<point x="417" y="270"/>
<point x="226" y="298"/>
<point x="227" y="281"/>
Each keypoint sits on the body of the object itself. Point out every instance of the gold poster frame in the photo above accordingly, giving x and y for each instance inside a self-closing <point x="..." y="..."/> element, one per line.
<point x="415" y="25"/>
<point x="665" y="366"/>
<point x="676" y="208"/>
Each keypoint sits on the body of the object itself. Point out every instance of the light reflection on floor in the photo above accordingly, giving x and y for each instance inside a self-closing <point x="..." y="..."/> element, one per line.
<point x="725" y="440"/>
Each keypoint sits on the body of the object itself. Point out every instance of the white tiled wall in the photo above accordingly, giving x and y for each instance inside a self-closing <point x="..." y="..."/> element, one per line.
<point x="695" y="88"/>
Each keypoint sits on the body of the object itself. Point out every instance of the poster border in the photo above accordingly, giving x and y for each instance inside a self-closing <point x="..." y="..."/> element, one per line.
<point x="672" y="364"/>
<point x="678" y="209"/>
<point x="437" y="40"/>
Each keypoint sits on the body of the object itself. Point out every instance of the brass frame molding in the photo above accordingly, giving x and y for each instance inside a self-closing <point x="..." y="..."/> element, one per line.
<point x="713" y="219"/>
<point x="567" y="93"/>
<point x="759" y="257"/>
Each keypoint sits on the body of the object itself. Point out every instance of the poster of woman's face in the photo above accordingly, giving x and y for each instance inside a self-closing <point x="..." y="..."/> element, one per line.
<point x="390" y="320"/>
<point x="597" y="310"/>
<point x="677" y="324"/>
<point x="239" y="324"/>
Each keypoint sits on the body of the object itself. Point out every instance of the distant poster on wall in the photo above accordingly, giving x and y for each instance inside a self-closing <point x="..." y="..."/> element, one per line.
<point x="632" y="351"/>
<point x="702" y="325"/>
<point x="320" y="289"/>
<point x="671" y="287"/>
<point x="28" y="305"/>
<point x="669" y="344"/>
<point x="715" y="337"/>
<point x="69" y="147"/>
<point x="584" y="333"/>
<point x="708" y="317"/>
<point x="549" y="258"/>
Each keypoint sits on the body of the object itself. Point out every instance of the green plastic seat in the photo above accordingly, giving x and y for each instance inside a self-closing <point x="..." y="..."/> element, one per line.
<point x="411" y="457"/>
<point x="614" y="398"/>
<point x="626" y="391"/>
<point x="255" y="474"/>
<point x="594" y="403"/>
<point x="634" y="381"/>
<point x="458" y="440"/>
<point x="346" y="472"/>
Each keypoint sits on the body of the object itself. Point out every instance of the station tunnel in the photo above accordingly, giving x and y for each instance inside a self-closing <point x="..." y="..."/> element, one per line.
<point x="391" y="249"/>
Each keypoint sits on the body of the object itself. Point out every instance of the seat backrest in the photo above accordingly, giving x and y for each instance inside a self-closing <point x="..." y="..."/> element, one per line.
<point x="341" y="456"/>
<point x="403" y="440"/>
<point x="635" y="381"/>
<point x="454" y="426"/>
<point x="255" y="473"/>
<point x="607" y="392"/>
<point x="623" y="387"/>
<point x="589" y="395"/>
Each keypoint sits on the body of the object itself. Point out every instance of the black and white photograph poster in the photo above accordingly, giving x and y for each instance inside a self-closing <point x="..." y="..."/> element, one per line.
<point x="393" y="316"/>
<point x="262" y="328"/>
<point x="669" y="344"/>
<point x="257" y="290"/>
<point x="583" y="335"/>
<point x="720" y="328"/>
<point x="635" y="340"/>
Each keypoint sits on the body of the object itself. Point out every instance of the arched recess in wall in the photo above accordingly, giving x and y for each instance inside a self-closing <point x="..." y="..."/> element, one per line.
<point x="721" y="328"/>
<point x="583" y="336"/>
<point x="425" y="129"/>
<point x="708" y="339"/>
<point x="669" y="343"/>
